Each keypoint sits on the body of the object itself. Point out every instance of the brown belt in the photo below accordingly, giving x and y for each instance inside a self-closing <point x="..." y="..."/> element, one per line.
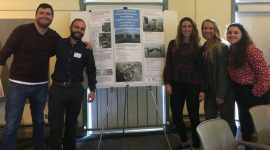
<point x="66" y="84"/>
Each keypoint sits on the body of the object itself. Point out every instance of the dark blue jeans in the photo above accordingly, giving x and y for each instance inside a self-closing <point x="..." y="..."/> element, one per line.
<point x="16" y="98"/>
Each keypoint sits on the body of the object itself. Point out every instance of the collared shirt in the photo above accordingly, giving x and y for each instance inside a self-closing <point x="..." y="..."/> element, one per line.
<point x="184" y="69"/>
<point x="71" y="61"/>
<point x="255" y="71"/>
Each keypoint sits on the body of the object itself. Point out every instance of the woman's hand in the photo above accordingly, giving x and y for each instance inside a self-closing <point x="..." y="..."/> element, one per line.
<point x="1" y="92"/>
<point x="168" y="90"/>
<point x="201" y="97"/>
<point x="219" y="101"/>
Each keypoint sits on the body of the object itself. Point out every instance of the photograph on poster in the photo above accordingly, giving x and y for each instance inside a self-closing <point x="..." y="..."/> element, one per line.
<point x="152" y="24"/>
<point x="127" y="36"/>
<point x="107" y="72"/>
<point x="128" y="71"/>
<point x="98" y="72"/>
<point x="106" y="27"/>
<point x="154" y="51"/>
<point x="104" y="72"/>
<point x="105" y="40"/>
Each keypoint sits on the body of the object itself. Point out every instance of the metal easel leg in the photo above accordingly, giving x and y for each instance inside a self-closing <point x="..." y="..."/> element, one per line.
<point x="150" y="88"/>
<point x="125" y="106"/>
<point x="105" y="117"/>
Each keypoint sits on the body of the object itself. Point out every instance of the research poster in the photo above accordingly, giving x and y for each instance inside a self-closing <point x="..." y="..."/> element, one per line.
<point x="128" y="47"/>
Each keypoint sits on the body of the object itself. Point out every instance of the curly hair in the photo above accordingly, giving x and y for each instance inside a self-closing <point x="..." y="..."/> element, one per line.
<point x="194" y="39"/>
<point x="239" y="52"/>
<point x="217" y="38"/>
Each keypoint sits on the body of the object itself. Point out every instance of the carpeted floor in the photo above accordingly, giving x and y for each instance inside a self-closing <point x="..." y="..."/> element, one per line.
<point x="128" y="141"/>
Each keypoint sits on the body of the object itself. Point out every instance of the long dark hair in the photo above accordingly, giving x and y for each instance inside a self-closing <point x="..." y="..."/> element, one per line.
<point x="239" y="52"/>
<point x="194" y="39"/>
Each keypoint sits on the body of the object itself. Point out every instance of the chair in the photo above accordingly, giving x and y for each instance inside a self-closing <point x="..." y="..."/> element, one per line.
<point x="215" y="134"/>
<point x="260" y="115"/>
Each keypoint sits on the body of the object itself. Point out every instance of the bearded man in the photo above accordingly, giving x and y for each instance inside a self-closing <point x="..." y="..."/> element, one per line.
<point x="31" y="45"/>
<point x="66" y="92"/>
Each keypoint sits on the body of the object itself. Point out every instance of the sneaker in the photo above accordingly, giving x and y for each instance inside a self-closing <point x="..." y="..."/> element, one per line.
<point x="179" y="147"/>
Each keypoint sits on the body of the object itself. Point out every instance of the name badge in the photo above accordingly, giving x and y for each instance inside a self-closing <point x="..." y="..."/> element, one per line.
<point x="77" y="55"/>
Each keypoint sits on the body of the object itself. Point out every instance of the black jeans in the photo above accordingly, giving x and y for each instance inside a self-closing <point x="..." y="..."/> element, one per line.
<point x="245" y="100"/>
<point x="64" y="101"/>
<point x="182" y="92"/>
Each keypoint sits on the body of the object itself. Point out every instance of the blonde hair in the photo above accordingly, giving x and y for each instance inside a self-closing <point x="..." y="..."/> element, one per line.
<point x="216" y="43"/>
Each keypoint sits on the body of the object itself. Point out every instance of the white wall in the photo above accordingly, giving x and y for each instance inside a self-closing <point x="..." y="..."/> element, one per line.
<point x="256" y="20"/>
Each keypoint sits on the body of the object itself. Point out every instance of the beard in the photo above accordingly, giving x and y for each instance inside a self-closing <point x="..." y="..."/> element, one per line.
<point x="72" y="34"/>
<point x="43" y="25"/>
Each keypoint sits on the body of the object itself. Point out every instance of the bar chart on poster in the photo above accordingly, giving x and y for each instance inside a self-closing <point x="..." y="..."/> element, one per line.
<point x="129" y="44"/>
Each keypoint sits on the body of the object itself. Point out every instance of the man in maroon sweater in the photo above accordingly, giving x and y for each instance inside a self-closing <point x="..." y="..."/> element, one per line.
<point x="31" y="46"/>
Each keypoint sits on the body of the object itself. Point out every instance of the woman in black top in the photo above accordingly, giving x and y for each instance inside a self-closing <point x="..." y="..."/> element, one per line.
<point x="184" y="79"/>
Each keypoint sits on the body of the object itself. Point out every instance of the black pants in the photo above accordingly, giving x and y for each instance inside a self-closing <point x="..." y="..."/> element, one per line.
<point x="64" y="101"/>
<point x="245" y="100"/>
<point x="182" y="92"/>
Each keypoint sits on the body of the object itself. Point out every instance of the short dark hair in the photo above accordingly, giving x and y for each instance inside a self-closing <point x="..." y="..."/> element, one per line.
<point x="44" y="5"/>
<point x="77" y="19"/>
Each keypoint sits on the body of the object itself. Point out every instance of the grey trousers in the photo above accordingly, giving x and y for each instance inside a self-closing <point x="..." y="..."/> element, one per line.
<point x="226" y="110"/>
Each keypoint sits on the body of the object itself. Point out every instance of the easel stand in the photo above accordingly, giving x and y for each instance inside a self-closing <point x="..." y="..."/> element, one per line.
<point x="126" y="97"/>
<point x="104" y="120"/>
<point x="150" y="88"/>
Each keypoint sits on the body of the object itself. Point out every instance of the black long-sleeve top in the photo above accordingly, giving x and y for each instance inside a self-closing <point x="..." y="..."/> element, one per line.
<point x="71" y="61"/>
<point x="184" y="69"/>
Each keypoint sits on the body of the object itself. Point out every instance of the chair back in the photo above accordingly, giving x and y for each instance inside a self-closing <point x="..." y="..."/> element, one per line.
<point x="215" y="134"/>
<point x="260" y="115"/>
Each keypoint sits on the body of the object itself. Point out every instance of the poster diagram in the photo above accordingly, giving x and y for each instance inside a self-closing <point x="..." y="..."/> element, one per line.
<point x="128" y="46"/>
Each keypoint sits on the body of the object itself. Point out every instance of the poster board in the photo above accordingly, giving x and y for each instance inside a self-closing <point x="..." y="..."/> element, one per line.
<point x="129" y="45"/>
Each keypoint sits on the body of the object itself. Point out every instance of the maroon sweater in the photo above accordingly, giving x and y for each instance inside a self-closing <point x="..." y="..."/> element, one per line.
<point x="31" y="52"/>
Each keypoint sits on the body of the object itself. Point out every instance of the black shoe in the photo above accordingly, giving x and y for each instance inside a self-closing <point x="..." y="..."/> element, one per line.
<point x="179" y="147"/>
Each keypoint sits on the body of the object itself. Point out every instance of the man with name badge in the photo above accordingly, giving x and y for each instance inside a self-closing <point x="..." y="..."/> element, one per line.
<point x="66" y="92"/>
